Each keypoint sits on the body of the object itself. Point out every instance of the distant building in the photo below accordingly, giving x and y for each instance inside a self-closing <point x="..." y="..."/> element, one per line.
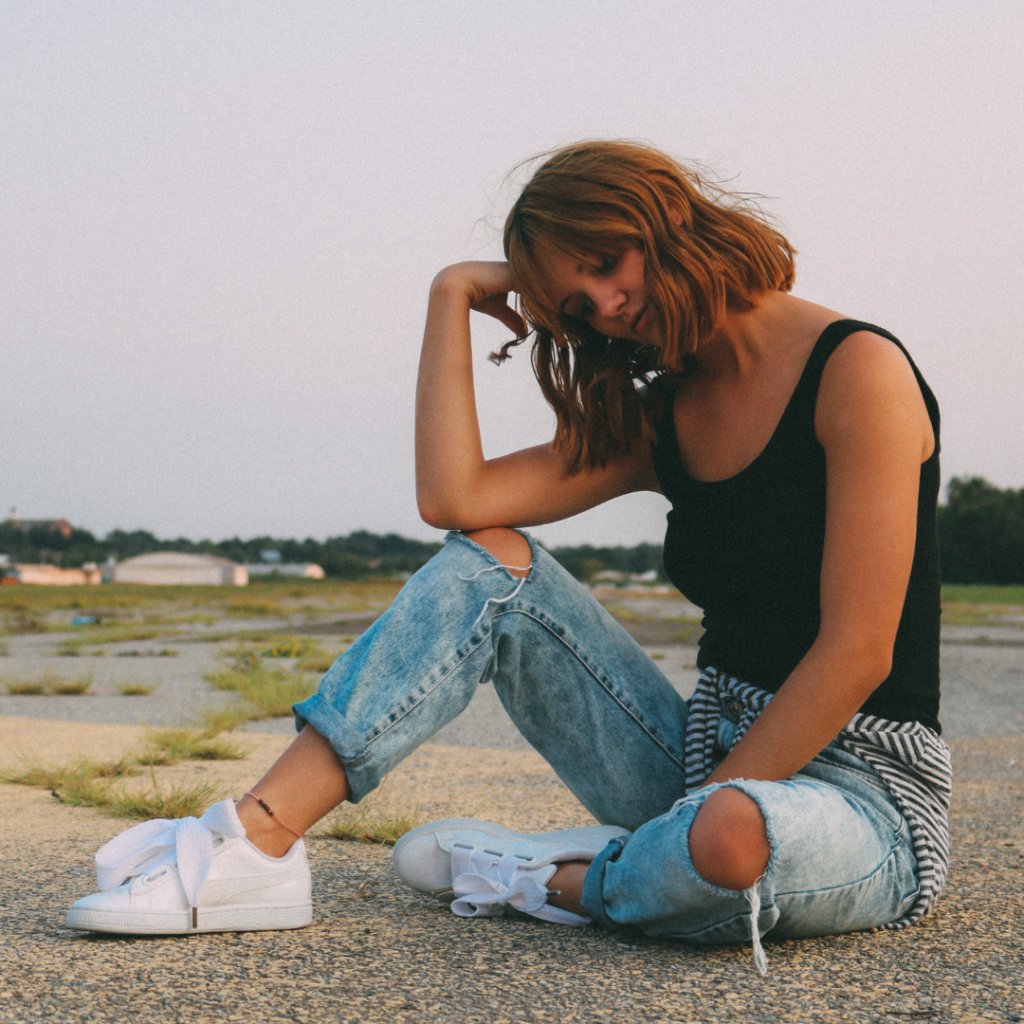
<point x="53" y="575"/>
<point x="614" y="576"/>
<point x="171" y="568"/>
<point x="307" y="570"/>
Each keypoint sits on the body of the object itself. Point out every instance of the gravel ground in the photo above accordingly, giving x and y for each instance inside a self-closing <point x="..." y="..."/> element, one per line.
<point x="380" y="952"/>
<point x="982" y="676"/>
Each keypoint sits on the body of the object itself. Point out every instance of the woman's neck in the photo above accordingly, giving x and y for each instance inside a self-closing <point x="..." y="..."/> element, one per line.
<point x="746" y="340"/>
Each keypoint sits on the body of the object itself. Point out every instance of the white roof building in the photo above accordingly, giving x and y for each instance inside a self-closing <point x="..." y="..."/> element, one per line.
<point x="171" y="568"/>
<point x="306" y="570"/>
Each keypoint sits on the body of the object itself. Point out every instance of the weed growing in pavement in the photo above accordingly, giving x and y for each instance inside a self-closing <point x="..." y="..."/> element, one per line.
<point x="269" y="692"/>
<point x="249" y="609"/>
<point x="24" y="688"/>
<point x="364" y="824"/>
<point x="5" y="650"/>
<point x="169" y="746"/>
<point x="290" y="647"/>
<point x="318" y="663"/>
<point x="80" y="687"/>
<point x="135" y="689"/>
<point x="180" y="800"/>
<point x="50" y="685"/>
<point x="58" y="776"/>
<point x="89" y="783"/>
<point x="164" y="652"/>
<point x="214" y="720"/>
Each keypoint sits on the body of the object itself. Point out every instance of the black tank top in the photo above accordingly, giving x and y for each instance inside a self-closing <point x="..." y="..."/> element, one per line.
<point x="748" y="551"/>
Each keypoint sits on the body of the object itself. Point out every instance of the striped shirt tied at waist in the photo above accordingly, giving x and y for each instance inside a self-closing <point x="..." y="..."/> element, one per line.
<point x="913" y="762"/>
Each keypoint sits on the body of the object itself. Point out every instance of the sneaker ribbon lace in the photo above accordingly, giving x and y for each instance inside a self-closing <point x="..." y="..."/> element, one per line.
<point x="188" y="842"/>
<point x="484" y="884"/>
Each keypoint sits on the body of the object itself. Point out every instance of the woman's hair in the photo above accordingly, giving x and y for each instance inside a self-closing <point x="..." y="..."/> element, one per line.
<point x="592" y="200"/>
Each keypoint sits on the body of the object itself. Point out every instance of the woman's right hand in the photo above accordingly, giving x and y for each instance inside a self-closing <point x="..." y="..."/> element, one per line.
<point x="486" y="284"/>
<point x="456" y="487"/>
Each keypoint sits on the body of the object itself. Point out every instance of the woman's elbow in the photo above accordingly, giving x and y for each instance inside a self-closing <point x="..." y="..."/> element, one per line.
<point x="872" y="666"/>
<point x="441" y="515"/>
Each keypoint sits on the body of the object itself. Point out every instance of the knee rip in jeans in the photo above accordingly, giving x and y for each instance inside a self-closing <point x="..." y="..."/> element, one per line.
<point x="494" y="568"/>
<point x="752" y="893"/>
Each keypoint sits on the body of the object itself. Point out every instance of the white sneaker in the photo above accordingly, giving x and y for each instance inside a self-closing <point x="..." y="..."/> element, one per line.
<point x="484" y="868"/>
<point x="194" y="875"/>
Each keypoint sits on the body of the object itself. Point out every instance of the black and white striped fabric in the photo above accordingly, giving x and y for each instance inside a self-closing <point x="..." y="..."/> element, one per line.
<point x="913" y="762"/>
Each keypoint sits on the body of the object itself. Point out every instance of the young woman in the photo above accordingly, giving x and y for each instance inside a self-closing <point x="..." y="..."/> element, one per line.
<point x="803" y="788"/>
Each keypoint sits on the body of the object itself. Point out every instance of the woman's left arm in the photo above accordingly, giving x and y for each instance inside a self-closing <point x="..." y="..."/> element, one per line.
<point x="872" y="422"/>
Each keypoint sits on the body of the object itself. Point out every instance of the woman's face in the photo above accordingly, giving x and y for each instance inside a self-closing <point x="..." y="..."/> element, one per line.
<point x="610" y="296"/>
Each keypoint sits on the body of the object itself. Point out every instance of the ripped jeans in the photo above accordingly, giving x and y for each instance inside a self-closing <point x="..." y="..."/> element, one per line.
<point x="613" y="728"/>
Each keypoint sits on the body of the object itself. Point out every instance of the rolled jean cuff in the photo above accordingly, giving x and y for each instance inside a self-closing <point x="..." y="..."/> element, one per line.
<point x="361" y="769"/>
<point x="593" y="885"/>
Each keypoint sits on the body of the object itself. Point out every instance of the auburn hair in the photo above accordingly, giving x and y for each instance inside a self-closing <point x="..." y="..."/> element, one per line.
<point x="594" y="200"/>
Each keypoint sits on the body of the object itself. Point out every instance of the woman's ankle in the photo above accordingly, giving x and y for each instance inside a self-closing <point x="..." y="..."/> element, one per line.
<point x="566" y="886"/>
<point x="263" y="831"/>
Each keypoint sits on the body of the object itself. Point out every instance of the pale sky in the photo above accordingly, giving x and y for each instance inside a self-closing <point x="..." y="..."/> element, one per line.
<point x="219" y="222"/>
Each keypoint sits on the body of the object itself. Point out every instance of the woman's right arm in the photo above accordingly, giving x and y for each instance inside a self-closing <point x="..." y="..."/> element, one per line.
<point x="456" y="487"/>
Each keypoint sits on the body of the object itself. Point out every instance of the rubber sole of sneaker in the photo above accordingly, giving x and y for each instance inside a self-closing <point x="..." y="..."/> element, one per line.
<point x="259" y="918"/>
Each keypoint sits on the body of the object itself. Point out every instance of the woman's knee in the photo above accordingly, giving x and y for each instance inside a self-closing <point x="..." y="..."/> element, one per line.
<point x="510" y="548"/>
<point x="729" y="840"/>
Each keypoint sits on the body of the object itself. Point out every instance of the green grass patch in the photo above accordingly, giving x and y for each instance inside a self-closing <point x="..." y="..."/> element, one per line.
<point x="5" y="650"/>
<point x="24" y="688"/>
<point x="227" y="718"/>
<point x="289" y="647"/>
<point x="977" y="594"/>
<point x="60" y="776"/>
<point x="50" y="685"/>
<point x="163" y="652"/>
<point x="256" y="609"/>
<point x="135" y="689"/>
<point x="318" y="662"/>
<point x="169" y="746"/>
<point x="379" y="825"/>
<point x="179" y="800"/>
<point x="268" y="692"/>
<point x="81" y="687"/>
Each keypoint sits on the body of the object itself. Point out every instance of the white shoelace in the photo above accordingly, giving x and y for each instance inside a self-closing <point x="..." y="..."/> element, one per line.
<point x="188" y="842"/>
<point x="496" y="600"/>
<point x="485" y="884"/>
<point x="753" y="895"/>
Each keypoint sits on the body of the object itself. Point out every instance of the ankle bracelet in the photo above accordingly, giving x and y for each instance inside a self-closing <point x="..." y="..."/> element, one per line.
<point x="263" y="803"/>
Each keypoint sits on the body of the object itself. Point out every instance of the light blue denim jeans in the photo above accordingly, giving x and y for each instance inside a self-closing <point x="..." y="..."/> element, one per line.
<point x="597" y="708"/>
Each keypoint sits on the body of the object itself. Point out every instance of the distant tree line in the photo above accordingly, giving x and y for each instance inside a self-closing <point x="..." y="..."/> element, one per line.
<point x="351" y="557"/>
<point x="981" y="535"/>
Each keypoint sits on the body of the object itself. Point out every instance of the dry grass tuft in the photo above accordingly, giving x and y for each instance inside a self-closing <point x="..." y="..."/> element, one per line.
<point x="370" y="822"/>
<point x="180" y="800"/>
<point x="80" y="687"/>
<point x="318" y="662"/>
<point x="135" y="689"/>
<point x="49" y="685"/>
<point x="24" y="688"/>
<point x="169" y="746"/>
<point x="290" y="647"/>
<point x="268" y="692"/>
<point x="59" y="776"/>
<point x="215" y="720"/>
